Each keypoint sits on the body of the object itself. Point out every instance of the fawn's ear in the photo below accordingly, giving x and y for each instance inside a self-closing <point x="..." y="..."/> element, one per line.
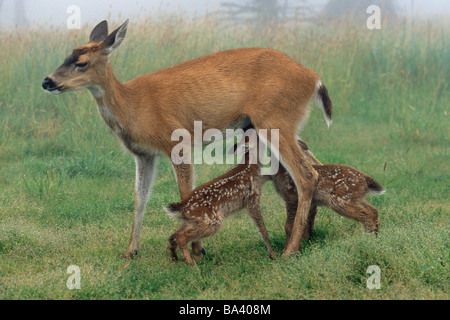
<point x="99" y="33"/>
<point x="302" y="145"/>
<point x="239" y="147"/>
<point x="115" y="39"/>
<point x="233" y="150"/>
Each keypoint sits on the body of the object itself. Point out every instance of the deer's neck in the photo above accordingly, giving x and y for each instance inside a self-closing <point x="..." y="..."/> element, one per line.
<point x="113" y="101"/>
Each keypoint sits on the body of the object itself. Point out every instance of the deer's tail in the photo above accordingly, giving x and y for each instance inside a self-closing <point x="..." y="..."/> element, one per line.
<point x="323" y="101"/>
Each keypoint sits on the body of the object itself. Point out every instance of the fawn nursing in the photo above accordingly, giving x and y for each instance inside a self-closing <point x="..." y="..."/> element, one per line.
<point x="341" y="188"/>
<point x="203" y="212"/>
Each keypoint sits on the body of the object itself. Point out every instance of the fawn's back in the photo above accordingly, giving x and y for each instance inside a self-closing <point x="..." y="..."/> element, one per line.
<point x="222" y="196"/>
<point x="342" y="183"/>
<point x="341" y="188"/>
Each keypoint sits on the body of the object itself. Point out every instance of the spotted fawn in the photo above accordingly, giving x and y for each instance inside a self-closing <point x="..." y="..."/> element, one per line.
<point x="203" y="212"/>
<point x="340" y="188"/>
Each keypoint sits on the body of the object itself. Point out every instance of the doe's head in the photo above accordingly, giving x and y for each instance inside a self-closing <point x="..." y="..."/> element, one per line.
<point x="86" y="65"/>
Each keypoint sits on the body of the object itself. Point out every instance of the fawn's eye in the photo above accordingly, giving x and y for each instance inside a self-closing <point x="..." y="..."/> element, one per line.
<point x="81" y="65"/>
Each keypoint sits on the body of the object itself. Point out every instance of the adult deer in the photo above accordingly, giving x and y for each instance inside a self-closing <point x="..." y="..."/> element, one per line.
<point x="225" y="90"/>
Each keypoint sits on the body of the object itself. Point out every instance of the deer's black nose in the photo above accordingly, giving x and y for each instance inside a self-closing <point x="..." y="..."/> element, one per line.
<point x="48" y="84"/>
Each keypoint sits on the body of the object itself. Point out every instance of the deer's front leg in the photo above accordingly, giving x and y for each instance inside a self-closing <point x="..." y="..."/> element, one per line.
<point x="185" y="178"/>
<point x="145" y="173"/>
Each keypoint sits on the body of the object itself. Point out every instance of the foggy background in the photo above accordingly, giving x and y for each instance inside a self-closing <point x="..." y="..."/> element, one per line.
<point x="52" y="12"/>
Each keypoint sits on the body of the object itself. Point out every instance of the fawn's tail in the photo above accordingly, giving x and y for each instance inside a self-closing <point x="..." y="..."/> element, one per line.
<point x="374" y="186"/>
<point x="174" y="210"/>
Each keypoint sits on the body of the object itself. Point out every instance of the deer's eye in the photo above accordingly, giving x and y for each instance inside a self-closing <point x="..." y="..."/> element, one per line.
<point x="81" y="65"/>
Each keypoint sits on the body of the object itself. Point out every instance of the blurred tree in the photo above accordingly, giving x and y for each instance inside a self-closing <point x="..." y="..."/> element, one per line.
<point x="263" y="12"/>
<point x="20" y="18"/>
<point x="344" y="9"/>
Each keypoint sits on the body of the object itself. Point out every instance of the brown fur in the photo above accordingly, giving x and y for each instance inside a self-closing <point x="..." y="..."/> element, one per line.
<point x="261" y="85"/>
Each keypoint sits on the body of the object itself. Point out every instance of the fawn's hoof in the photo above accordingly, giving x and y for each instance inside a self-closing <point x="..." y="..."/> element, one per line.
<point x="203" y="251"/>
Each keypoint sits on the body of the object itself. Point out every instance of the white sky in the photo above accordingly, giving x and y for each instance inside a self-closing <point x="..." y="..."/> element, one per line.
<point x="55" y="11"/>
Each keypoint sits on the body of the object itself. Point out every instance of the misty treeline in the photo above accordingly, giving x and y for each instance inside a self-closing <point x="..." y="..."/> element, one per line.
<point x="262" y="12"/>
<point x="20" y="17"/>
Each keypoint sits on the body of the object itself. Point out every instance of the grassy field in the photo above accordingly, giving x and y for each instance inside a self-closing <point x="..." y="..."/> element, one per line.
<point x="66" y="185"/>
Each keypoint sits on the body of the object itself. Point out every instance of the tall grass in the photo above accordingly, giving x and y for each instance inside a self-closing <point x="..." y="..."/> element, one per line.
<point x="66" y="186"/>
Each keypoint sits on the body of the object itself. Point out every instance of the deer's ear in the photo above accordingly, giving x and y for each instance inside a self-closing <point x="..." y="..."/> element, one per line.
<point x="115" y="39"/>
<point x="100" y="32"/>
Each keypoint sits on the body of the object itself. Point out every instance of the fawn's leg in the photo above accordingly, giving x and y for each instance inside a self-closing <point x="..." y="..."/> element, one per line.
<point x="195" y="232"/>
<point x="145" y="173"/>
<point x="291" y="211"/>
<point x="372" y="221"/>
<point x="311" y="218"/>
<point x="360" y="211"/>
<point x="173" y="247"/>
<point x="185" y="179"/>
<point x="173" y="243"/>
<point x="254" y="210"/>
<point x="183" y="238"/>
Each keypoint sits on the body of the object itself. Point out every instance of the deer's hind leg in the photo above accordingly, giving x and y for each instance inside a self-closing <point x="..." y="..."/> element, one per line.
<point x="291" y="211"/>
<point x="303" y="174"/>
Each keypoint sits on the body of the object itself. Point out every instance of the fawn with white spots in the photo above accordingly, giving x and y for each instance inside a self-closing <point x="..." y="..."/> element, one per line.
<point x="340" y="188"/>
<point x="204" y="210"/>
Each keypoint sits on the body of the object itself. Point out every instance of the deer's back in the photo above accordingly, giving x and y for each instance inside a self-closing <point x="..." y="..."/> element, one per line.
<point x="224" y="84"/>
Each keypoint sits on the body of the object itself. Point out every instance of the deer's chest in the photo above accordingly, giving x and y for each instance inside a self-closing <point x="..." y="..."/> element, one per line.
<point x="110" y="119"/>
<point x="125" y="138"/>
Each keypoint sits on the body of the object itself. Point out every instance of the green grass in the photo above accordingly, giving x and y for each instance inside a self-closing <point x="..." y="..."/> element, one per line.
<point x="66" y="186"/>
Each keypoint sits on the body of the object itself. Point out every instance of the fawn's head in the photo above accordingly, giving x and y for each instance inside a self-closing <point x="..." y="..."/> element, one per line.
<point x="87" y="65"/>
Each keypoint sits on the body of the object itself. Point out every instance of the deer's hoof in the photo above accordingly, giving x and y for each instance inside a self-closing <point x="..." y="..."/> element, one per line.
<point x="129" y="255"/>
